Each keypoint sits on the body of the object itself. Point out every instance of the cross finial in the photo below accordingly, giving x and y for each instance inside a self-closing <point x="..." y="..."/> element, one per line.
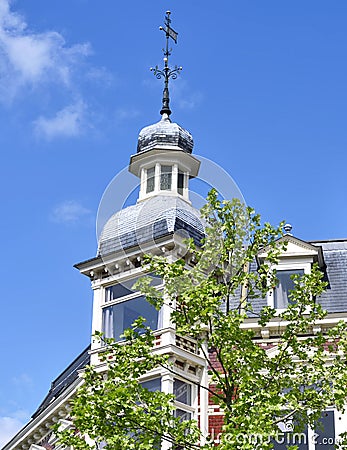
<point x="167" y="72"/>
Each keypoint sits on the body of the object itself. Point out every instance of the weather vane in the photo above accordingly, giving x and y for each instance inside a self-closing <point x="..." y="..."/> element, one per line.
<point x="167" y="72"/>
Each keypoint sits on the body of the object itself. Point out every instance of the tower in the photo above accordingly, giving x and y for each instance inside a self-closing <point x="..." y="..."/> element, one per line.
<point x="158" y="223"/>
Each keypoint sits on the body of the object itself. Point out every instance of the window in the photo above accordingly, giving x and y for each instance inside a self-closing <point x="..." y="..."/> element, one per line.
<point x="182" y="391"/>
<point x="183" y="415"/>
<point x="165" y="178"/>
<point x="152" y="385"/>
<point x="322" y="437"/>
<point x="118" y="317"/>
<point x="180" y="182"/>
<point x="123" y="305"/>
<point x="119" y="290"/>
<point x="285" y="285"/>
<point x="150" y="180"/>
<point x="124" y="288"/>
<point x="325" y="431"/>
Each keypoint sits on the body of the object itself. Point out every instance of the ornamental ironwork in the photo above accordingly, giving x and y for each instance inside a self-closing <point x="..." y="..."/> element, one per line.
<point x="167" y="72"/>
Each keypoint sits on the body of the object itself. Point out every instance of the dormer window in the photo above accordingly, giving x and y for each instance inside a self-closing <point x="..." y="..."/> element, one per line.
<point x="150" y="180"/>
<point x="296" y="259"/>
<point x="281" y="294"/>
<point x="279" y="297"/>
<point x="166" y="178"/>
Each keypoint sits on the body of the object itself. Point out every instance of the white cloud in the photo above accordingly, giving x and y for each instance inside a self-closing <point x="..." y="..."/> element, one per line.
<point x="68" y="122"/>
<point x="10" y="425"/>
<point x="69" y="212"/>
<point x="28" y="57"/>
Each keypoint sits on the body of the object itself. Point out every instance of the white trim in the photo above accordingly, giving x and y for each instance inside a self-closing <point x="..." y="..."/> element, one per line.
<point x="47" y="415"/>
<point x="304" y="264"/>
<point x="156" y="180"/>
<point x="125" y="298"/>
<point x="174" y="180"/>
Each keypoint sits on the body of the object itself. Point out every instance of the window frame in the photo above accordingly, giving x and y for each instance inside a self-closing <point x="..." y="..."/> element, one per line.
<point x="125" y="298"/>
<point x="148" y="380"/>
<point x="150" y="177"/>
<point x="304" y="264"/>
<point x="187" y="408"/>
<point x="314" y="433"/>
<point x="181" y="176"/>
<point x="277" y="290"/>
<point x="169" y="174"/>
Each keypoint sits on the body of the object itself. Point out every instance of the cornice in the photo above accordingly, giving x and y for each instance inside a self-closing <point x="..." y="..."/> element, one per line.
<point x="36" y="429"/>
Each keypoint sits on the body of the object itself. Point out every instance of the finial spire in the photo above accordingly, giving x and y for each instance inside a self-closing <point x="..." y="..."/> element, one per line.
<point x="167" y="72"/>
<point x="287" y="228"/>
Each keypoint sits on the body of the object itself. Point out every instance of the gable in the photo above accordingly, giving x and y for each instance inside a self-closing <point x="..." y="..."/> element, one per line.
<point x="296" y="248"/>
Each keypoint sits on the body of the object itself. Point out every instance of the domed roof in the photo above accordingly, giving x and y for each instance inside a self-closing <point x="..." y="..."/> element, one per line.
<point x="164" y="134"/>
<point x="149" y="220"/>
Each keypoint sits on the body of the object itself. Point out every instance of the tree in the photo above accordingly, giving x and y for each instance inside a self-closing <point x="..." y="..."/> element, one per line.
<point x="211" y="301"/>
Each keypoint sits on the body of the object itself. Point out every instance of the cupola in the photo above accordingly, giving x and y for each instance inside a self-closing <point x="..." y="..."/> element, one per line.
<point x="163" y="161"/>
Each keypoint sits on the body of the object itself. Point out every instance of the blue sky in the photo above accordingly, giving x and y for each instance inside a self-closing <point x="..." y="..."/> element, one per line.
<point x="263" y="91"/>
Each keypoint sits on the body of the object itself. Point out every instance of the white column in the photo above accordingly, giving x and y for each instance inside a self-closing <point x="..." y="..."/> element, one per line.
<point x="340" y="423"/>
<point x="99" y="292"/>
<point x="168" y="306"/>
<point x="186" y="186"/>
<point x="311" y="438"/>
<point x="143" y="182"/>
<point x="204" y="400"/>
<point x="167" y="387"/>
<point x="174" y="178"/>
<point x="168" y="337"/>
<point x="157" y="178"/>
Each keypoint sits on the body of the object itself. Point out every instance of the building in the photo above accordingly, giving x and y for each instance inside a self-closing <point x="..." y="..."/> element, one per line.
<point x="158" y="223"/>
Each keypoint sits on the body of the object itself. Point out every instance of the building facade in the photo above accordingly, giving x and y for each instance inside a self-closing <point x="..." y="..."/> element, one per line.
<point x="162" y="218"/>
<point x="158" y="223"/>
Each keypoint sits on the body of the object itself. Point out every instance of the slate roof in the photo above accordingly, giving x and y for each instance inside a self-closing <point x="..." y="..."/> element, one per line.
<point x="64" y="380"/>
<point x="149" y="220"/>
<point x="163" y="215"/>
<point x="334" y="299"/>
<point x="164" y="134"/>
